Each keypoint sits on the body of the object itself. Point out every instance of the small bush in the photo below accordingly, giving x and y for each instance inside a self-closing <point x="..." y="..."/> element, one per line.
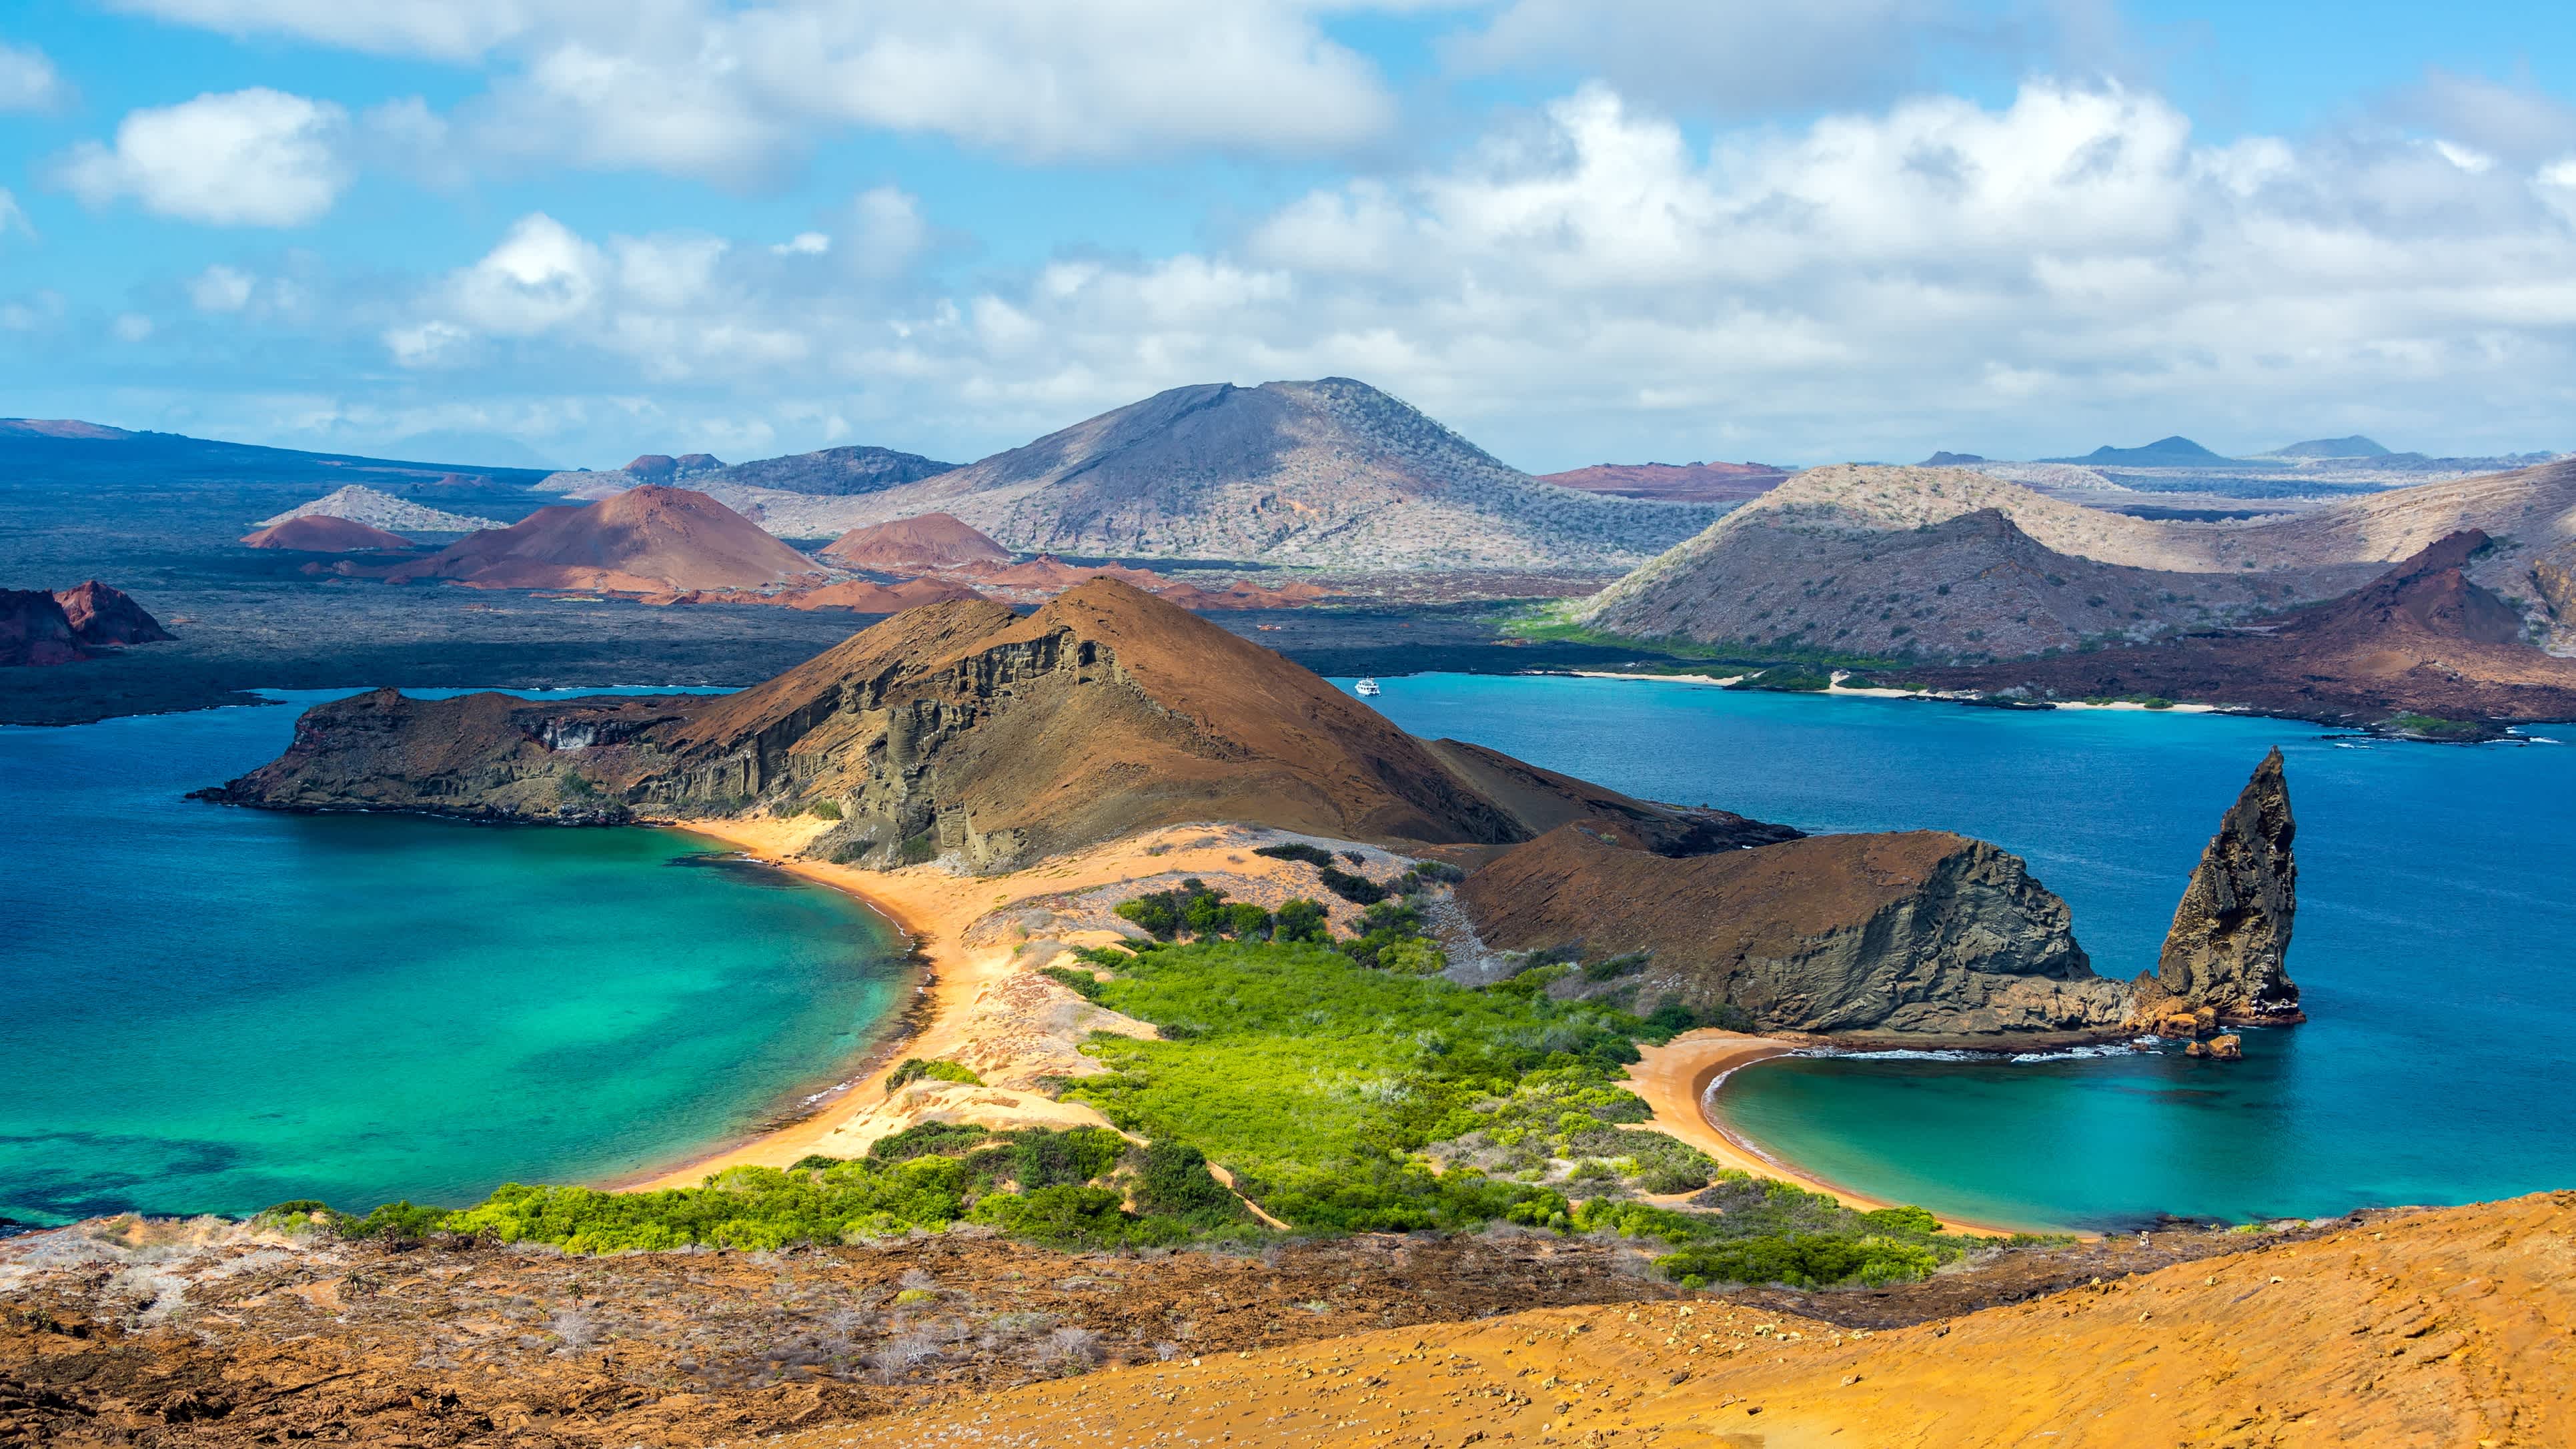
<point x="926" y="1139"/>
<point x="935" y="1069"/>
<point x="1300" y="920"/>
<point x="1296" y="850"/>
<point x="823" y="809"/>
<point x="921" y="849"/>
<point x="1611" y="968"/>
<point x="1080" y="983"/>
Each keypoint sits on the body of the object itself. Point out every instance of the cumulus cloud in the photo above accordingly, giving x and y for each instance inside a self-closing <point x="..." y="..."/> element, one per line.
<point x="28" y="80"/>
<point x="2067" y="268"/>
<point x="735" y="91"/>
<point x="13" y="217"/>
<point x="255" y="157"/>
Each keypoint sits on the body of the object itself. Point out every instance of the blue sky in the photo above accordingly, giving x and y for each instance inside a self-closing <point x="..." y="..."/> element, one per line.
<point x="572" y="230"/>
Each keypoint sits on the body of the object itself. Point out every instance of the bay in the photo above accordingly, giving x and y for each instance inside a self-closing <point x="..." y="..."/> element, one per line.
<point x="2435" y="947"/>
<point x="207" y="1009"/>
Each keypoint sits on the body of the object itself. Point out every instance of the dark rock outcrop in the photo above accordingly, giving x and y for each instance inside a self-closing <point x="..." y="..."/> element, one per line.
<point x="2231" y="932"/>
<point x="34" y="631"/>
<point x="1916" y="934"/>
<point x="102" y="617"/>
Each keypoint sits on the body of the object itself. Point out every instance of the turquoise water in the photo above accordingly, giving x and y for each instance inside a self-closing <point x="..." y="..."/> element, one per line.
<point x="210" y="1009"/>
<point x="2435" y="948"/>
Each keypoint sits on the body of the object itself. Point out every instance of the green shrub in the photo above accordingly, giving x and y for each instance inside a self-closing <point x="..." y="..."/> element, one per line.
<point x="936" y="1069"/>
<point x="1359" y="890"/>
<point x="1414" y="956"/>
<point x="1296" y="850"/>
<point x="1611" y="968"/>
<point x="920" y="849"/>
<point x="823" y="809"/>
<point x="1081" y="983"/>
<point x="1806" y="1261"/>
<point x="1300" y="920"/>
<point x="925" y="1138"/>
<point x="575" y="788"/>
<point x="1176" y="1182"/>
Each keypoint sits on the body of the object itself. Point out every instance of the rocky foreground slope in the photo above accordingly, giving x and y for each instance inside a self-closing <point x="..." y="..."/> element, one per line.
<point x="2455" y="1327"/>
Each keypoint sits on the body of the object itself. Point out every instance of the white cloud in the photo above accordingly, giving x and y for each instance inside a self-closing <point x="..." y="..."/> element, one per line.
<point x="245" y="158"/>
<point x="131" y="327"/>
<point x="803" y="244"/>
<point x="28" y="80"/>
<point x="13" y="217"/>
<point x="2068" y="268"/>
<point x="885" y="232"/>
<point x="734" y="92"/>
<point x="220" y="289"/>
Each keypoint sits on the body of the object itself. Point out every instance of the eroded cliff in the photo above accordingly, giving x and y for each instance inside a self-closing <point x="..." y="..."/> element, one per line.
<point x="2230" y="937"/>
<point x="1914" y="934"/>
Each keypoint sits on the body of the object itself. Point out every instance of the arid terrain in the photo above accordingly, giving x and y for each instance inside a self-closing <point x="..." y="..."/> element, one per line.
<point x="2448" y="1327"/>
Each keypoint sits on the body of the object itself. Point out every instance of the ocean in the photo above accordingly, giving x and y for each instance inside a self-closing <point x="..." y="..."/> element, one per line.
<point x="207" y="1009"/>
<point x="2435" y="947"/>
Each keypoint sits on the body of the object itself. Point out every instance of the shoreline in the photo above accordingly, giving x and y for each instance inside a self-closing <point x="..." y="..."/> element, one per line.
<point x="1838" y="690"/>
<point x="1676" y="1080"/>
<point x="933" y="911"/>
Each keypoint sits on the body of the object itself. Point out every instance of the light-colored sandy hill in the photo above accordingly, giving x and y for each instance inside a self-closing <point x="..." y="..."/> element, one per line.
<point x="643" y="540"/>
<point x="361" y="504"/>
<point x="2453" y="1327"/>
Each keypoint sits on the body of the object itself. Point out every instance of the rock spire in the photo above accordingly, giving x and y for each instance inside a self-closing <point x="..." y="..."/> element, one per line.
<point x="2232" y="929"/>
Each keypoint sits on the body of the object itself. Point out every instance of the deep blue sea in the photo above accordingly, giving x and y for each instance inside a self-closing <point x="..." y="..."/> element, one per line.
<point x="2435" y="946"/>
<point x="205" y="1009"/>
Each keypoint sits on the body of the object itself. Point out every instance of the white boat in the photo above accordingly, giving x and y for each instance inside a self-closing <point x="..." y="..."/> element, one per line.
<point x="1365" y="687"/>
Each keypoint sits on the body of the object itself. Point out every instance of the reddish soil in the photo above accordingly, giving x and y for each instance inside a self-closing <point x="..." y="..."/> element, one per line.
<point x="104" y="617"/>
<point x="321" y="533"/>
<point x="915" y="545"/>
<point x="645" y="540"/>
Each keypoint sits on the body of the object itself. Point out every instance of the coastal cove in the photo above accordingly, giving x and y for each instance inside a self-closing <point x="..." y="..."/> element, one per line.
<point x="2430" y="945"/>
<point x="212" y="1009"/>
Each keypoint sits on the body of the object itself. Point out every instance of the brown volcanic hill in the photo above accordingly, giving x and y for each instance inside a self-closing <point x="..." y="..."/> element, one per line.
<point x="100" y="615"/>
<point x="321" y="533"/>
<point x="931" y="541"/>
<point x="2449" y="1327"/>
<point x="645" y="539"/>
<point x="956" y="729"/>
<point x="1674" y="482"/>
<point x="34" y="630"/>
<point x="1331" y="472"/>
<point x="1920" y="933"/>
<point x="2423" y="638"/>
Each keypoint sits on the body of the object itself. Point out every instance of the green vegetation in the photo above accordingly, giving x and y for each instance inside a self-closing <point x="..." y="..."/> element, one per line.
<point x="1064" y="1189"/>
<point x="1547" y="622"/>
<point x="2434" y="727"/>
<point x="1787" y="679"/>
<point x="921" y="849"/>
<point x="574" y="788"/>
<point x="936" y="1069"/>
<point x="1346" y="1085"/>
<point x="823" y="809"/>
<point x="2151" y="701"/>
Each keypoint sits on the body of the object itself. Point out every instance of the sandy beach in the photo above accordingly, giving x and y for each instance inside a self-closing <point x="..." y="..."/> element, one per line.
<point x="1839" y="690"/>
<point x="984" y="1003"/>
<point x="1674" y="1079"/>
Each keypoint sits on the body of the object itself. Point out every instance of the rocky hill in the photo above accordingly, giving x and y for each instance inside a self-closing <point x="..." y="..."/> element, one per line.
<point x="2424" y="639"/>
<point x="834" y="472"/>
<point x="69" y="625"/>
<point x="1331" y="473"/>
<point x="2355" y="446"/>
<point x="361" y="504"/>
<point x="932" y="541"/>
<point x="1939" y="563"/>
<point x="326" y="533"/>
<point x="644" y="540"/>
<point x="962" y="731"/>
<point x="1917" y="934"/>
<point x="1674" y="482"/>
<point x="2230" y="940"/>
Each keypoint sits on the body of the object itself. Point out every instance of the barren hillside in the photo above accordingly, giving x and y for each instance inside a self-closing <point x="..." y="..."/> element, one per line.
<point x="1330" y="473"/>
